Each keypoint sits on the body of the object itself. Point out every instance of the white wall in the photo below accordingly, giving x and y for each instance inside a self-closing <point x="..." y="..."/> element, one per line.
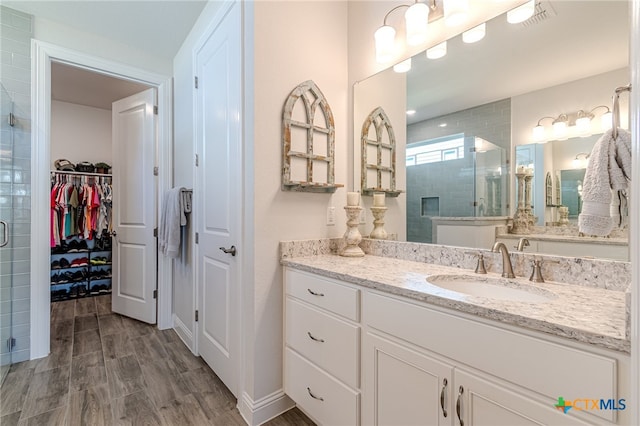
<point x="293" y="42"/>
<point x="80" y="133"/>
<point x="71" y="38"/>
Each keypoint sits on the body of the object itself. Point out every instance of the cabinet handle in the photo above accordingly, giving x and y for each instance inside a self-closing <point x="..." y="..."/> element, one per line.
<point x="319" y="398"/>
<point x="444" y="387"/>
<point x="316" y="339"/>
<point x="314" y="293"/>
<point x="460" y="392"/>
<point x="5" y="233"/>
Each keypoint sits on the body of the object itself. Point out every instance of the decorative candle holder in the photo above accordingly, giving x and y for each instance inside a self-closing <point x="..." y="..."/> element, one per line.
<point x="378" y="223"/>
<point x="352" y="236"/>
<point x="521" y="218"/>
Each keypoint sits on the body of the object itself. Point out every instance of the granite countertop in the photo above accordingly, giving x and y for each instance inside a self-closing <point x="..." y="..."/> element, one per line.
<point x="588" y="315"/>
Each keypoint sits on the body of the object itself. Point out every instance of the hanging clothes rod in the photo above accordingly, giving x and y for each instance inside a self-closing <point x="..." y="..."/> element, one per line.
<point x="616" y="109"/>
<point x="63" y="172"/>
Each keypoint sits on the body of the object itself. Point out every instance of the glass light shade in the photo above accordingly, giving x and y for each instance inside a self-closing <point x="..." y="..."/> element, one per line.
<point x="583" y="125"/>
<point x="521" y="13"/>
<point x="475" y="33"/>
<point x="606" y="120"/>
<point x="416" y="21"/>
<point x="437" y="51"/>
<point x="385" y="38"/>
<point x="538" y="133"/>
<point x="403" y="66"/>
<point x="576" y="163"/>
<point x="455" y="12"/>
<point x="560" y="129"/>
<point x="411" y="111"/>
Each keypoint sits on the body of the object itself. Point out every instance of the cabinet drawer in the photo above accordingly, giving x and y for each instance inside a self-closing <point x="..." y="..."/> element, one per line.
<point x="327" y="341"/>
<point x="544" y="367"/>
<point x="323" y="293"/>
<point x="332" y="402"/>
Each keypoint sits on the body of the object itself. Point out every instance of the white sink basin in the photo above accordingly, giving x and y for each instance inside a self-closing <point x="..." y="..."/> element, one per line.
<point x="491" y="288"/>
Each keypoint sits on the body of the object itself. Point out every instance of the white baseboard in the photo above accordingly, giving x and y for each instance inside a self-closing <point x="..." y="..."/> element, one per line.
<point x="183" y="332"/>
<point x="261" y="411"/>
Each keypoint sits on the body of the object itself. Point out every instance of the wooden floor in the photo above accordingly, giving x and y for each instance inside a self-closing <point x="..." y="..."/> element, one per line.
<point x="106" y="369"/>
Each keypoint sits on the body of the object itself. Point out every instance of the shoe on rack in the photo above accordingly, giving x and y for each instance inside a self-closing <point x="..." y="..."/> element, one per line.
<point x="64" y="263"/>
<point x="55" y="264"/>
<point x="72" y="246"/>
<point x="82" y="245"/>
<point x="81" y="261"/>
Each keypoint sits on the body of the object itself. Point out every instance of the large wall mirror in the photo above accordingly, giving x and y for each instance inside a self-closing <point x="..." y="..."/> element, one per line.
<point x="464" y="122"/>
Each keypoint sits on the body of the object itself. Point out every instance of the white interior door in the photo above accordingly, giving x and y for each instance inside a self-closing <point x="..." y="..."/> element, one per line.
<point x="134" y="206"/>
<point x="217" y="200"/>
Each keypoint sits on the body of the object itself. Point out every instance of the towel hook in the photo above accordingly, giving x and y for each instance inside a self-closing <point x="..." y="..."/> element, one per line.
<point x="616" y="109"/>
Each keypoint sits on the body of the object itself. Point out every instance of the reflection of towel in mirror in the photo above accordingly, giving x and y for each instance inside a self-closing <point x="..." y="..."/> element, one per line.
<point x="609" y="169"/>
<point x="171" y="219"/>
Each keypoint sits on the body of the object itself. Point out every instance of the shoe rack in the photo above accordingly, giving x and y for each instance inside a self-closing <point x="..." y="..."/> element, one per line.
<point x="81" y="268"/>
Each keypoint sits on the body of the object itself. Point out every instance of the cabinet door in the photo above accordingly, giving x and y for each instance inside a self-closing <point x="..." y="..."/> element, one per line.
<point x="478" y="401"/>
<point x="402" y="386"/>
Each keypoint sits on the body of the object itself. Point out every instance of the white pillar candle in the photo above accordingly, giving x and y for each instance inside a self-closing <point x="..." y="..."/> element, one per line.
<point x="353" y="198"/>
<point x="378" y="199"/>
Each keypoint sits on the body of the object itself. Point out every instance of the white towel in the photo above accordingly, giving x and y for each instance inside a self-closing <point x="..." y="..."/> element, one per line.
<point x="171" y="219"/>
<point x="609" y="169"/>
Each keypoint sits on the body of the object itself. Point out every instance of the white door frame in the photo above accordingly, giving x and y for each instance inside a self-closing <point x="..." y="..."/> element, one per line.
<point x="42" y="55"/>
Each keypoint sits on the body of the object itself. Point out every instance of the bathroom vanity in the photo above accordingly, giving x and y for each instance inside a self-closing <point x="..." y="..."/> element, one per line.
<point x="371" y="341"/>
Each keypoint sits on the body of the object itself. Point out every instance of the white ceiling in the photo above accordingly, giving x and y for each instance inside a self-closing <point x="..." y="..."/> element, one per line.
<point x="158" y="27"/>
<point x="585" y="38"/>
<point x="155" y="26"/>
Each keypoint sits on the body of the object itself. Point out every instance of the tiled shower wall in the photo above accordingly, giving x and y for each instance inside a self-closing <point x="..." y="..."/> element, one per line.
<point x="16" y="31"/>
<point x="451" y="181"/>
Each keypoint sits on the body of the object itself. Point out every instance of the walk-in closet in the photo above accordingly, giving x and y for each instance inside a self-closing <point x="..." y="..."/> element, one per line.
<point x="81" y="152"/>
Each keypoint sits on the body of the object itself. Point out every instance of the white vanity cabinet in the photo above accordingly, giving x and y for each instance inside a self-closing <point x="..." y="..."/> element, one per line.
<point x="322" y="348"/>
<point x="425" y="365"/>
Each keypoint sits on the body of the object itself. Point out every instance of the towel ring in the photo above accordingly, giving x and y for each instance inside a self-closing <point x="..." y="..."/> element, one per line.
<point x="616" y="109"/>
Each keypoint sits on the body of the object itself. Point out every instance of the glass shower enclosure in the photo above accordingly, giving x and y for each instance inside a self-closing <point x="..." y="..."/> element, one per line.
<point x="456" y="176"/>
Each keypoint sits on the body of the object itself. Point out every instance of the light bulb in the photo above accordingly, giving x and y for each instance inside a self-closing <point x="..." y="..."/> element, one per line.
<point x="521" y="13"/>
<point x="560" y="130"/>
<point x="606" y="120"/>
<point x="403" y="66"/>
<point x="437" y="51"/>
<point x="455" y="12"/>
<point x="385" y="43"/>
<point x="538" y="133"/>
<point x="475" y="33"/>
<point x="416" y="22"/>
<point x="583" y="126"/>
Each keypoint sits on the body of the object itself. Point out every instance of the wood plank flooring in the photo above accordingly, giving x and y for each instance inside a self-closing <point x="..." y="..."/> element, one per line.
<point x="106" y="369"/>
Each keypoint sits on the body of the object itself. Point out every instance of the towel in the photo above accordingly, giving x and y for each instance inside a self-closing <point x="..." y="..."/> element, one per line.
<point x="172" y="217"/>
<point x="608" y="171"/>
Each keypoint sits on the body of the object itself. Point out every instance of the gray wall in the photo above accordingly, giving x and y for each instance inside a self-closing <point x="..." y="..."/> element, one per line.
<point x="16" y="30"/>
<point x="453" y="181"/>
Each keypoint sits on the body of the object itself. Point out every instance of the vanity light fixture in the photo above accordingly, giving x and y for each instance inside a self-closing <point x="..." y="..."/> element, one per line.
<point x="437" y="51"/>
<point x="403" y="66"/>
<point x="522" y="12"/>
<point x="475" y="34"/>
<point x="539" y="133"/>
<point x="411" y="111"/>
<point x="581" y="160"/>
<point x="560" y="125"/>
<point x="416" y="22"/>
<point x="583" y="121"/>
<point x="455" y="12"/>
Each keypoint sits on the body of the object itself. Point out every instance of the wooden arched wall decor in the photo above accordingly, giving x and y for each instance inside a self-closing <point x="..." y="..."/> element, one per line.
<point x="319" y="143"/>
<point x="381" y="124"/>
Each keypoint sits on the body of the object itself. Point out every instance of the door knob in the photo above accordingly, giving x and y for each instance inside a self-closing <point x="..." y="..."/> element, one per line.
<point x="231" y="250"/>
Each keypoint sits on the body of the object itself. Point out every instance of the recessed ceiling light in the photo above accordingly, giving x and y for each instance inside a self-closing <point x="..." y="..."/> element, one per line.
<point x="411" y="111"/>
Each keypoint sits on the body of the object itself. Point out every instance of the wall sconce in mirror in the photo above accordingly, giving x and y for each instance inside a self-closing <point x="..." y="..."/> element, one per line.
<point x="581" y="160"/>
<point x="378" y="155"/>
<point x="568" y="125"/>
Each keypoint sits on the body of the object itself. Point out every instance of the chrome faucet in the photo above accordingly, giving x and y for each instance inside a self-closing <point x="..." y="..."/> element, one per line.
<point x="522" y="243"/>
<point x="507" y="269"/>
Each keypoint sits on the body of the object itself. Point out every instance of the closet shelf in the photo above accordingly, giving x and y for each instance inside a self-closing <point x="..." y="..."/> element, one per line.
<point x="63" y="172"/>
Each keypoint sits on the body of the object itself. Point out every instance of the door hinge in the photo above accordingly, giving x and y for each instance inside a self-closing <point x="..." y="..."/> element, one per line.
<point x="197" y="160"/>
<point x="196" y="315"/>
<point x="155" y="171"/>
<point x="12" y="119"/>
<point x="474" y="204"/>
<point x="155" y="294"/>
<point x="11" y="343"/>
<point x="197" y="237"/>
<point x="195" y="80"/>
<point x="155" y="232"/>
<point x="155" y="109"/>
